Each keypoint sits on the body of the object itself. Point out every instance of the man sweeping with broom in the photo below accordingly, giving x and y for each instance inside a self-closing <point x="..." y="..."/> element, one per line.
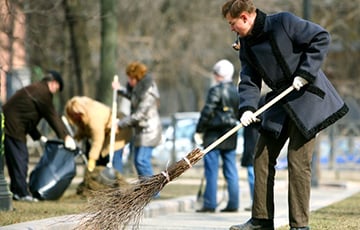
<point x="282" y="50"/>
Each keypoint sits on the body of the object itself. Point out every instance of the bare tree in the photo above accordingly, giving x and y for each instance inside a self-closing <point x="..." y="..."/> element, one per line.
<point x="109" y="55"/>
<point x="76" y="16"/>
<point x="178" y="40"/>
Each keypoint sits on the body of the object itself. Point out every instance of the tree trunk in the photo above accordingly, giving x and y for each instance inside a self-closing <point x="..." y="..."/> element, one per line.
<point x="109" y="57"/>
<point x="80" y="49"/>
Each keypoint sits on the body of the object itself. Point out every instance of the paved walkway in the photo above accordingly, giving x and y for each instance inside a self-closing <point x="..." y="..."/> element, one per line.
<point x="179" y="214"/>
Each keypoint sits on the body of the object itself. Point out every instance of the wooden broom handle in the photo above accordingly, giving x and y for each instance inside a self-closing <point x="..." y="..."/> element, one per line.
<point x="239" y="126"/>
<point x="113" y="121"/>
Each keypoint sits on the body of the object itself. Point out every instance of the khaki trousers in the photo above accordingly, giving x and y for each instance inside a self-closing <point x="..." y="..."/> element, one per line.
<point x="299" y="158"/>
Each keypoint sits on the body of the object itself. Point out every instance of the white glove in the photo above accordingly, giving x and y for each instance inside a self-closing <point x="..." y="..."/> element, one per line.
<point x="299" y="82"/>
<point x="248" y="117"/>
<point x="70" y="143"/>
<point x="43" y="139"/>
<point x="198" y="137"/>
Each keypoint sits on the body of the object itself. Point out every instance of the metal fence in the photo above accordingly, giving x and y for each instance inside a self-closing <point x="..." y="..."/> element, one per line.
<point x="339" y="146"/>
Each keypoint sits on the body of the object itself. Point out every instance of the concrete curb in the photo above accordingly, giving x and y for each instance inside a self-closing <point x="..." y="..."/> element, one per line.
<point x="179" y="213"/>
<point x="164" y="207"/>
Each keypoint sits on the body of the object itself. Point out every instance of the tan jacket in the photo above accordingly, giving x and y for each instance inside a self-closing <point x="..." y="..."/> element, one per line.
<point x="93" y="120"/>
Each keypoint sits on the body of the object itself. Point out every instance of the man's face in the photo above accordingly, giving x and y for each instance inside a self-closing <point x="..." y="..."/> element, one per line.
<point x="241" y="25"/>
<point x="54" y="86"/>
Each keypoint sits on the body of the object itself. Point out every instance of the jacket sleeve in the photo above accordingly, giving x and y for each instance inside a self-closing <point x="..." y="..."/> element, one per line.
<point x="212" y="100"/>
<point x="48" y="111"/>
<point x="125" y="91"/>
<point x="311" y="39"/>
<point x="97" y="130"/>
<point x="35" y="134"/>
<point x="98" y="119"/>
<point x="135" y="118"/>
<point x="249" y="87"/>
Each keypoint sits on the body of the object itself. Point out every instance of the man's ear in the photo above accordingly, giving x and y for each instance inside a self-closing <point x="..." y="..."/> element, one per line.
<point x="244" y="16"/>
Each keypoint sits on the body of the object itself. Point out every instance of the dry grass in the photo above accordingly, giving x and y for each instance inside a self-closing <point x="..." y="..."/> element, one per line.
<point x="341" y="215"/>
<point x="24" y="211"/>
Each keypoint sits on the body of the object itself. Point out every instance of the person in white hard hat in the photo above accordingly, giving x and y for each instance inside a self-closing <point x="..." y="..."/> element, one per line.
<point x="219" y="115"/>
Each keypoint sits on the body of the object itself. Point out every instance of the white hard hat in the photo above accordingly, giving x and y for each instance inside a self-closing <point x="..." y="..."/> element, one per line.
<point x="225" y="69"/>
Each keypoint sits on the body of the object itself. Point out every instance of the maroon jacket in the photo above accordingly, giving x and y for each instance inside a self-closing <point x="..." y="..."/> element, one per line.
<point x="24" y="110"/>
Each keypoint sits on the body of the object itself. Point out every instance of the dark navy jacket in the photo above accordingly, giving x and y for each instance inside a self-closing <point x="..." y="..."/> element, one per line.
<point x="281" y="47"/>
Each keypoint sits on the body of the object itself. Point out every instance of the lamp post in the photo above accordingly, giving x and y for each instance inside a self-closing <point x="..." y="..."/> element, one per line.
<point x="5" y="194"/>
<point x="307" y="9"/>
<point x="315" y="163"/>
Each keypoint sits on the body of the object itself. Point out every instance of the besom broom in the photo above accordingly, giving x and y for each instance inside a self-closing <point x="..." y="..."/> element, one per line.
<point x="118" y="208"/>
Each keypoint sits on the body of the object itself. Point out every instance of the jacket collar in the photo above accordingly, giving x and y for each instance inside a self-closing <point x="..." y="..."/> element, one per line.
<point x="258" y="29"/>
<point x="142" y="86"/>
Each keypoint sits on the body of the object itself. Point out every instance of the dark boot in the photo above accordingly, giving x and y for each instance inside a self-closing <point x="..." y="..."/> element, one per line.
<point x="300" y="228"/>
<point x="260" y="224"/>
<point x="208" y="210"/>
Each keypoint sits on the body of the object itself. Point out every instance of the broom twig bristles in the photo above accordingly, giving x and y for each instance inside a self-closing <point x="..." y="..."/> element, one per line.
<point x="118" y="208"/>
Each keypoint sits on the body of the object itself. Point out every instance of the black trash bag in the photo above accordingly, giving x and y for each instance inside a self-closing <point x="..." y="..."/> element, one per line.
<point x="54" y="172"/>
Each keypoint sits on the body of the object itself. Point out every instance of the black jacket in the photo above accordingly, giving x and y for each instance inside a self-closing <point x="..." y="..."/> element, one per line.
<point x="223" y="96"/>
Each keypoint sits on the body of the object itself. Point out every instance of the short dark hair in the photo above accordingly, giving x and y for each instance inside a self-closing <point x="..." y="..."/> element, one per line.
<point x="236" y="7"/>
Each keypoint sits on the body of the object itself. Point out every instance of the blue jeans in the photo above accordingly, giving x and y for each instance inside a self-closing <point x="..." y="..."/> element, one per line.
<point x="251" y="180"/>
<point x="142" y="160"/>
<point x="117" y="160"/>
<point x="211" y="161"/>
